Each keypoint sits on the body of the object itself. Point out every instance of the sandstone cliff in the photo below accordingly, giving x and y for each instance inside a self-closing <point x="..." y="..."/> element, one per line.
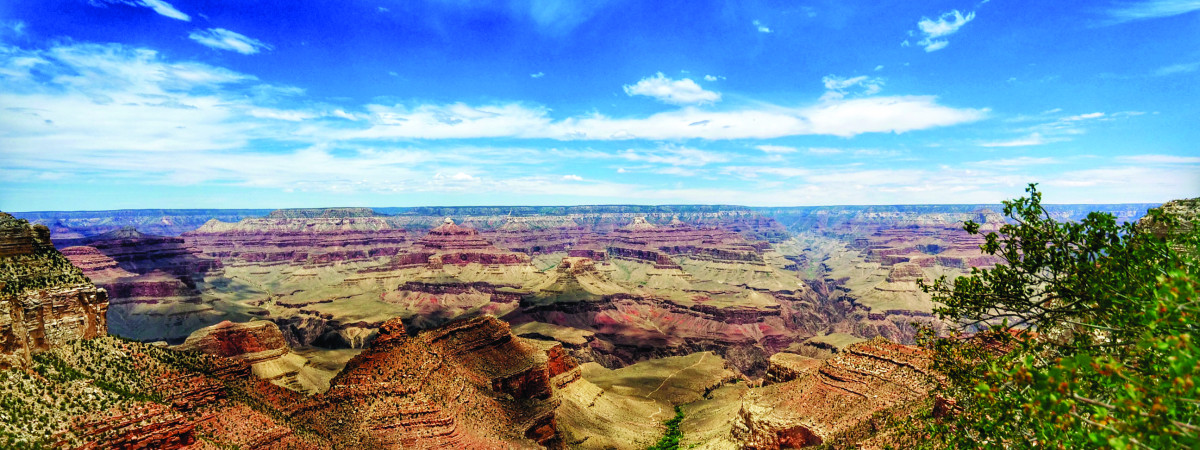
<point x="468" y="384"/>
<point x="840" y="402"/>
<point x="45" y="302"/>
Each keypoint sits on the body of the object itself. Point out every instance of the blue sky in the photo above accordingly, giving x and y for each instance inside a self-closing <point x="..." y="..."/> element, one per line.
<point x="171" y="103"/>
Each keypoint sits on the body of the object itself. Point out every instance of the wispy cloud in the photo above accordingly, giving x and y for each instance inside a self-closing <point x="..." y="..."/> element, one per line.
<point x="681" y="156"/>
<point x="676" y="92"/>
<point x="222" y="39"/>
<point x="1031" y="140"/>
<point x="537" y="75"/>
<point x="838" y="87"/>
<point x="760" y="27"/>
<point x="1176" y="69"/>
<point x="159" y="6"/>
<point x="1019" y="161"/>
<point x="824" y="151"/>
<point x="838" y="117"/>
<point x="1160" y="159"/>
<point x="945" y="25"/>
<point x="1126" y="11"/>
<point x="133" y="114"/>
<point x="776" y="149"/>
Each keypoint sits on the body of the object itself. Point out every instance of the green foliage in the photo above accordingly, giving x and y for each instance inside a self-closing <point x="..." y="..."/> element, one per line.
<point x="1085" y="338"/>
<point x="44" y="267"/>
<point x="670" y="440"/>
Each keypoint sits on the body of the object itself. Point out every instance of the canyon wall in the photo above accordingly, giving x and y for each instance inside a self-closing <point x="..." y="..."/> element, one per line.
<point x="45" y="302"/>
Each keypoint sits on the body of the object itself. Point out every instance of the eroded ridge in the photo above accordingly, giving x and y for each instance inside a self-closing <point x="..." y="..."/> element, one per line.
<point x="840" y="401"/>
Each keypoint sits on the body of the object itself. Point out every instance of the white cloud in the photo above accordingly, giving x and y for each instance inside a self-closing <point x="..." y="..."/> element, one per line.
<point x="760" y="27"/>
<point x="824" y="151"/>
<point x="166" y="9"/>
<point x="676" y="92"/>
<point x="945" y="25"/>
<point x="16" y="28"/>
<point x="1077" y="118"/>
<point x="1031" y="140"/>
<point x="537" y="75"/>
<point x="111" y="113"/>
<point x="879" y="67"/>
<point x="1018" y="161"/>
<point x="776" y="149"/>
<point x="222" y="39"/>
<point x="713" y="77"/>
<point x="838" y="87"/>
<point x="159" y="6"/>
<point x="1176" y="69"/>
<point x="1160" y="159"/>
<point x="756" y="171"/>
<point x="837" y="117"/>
<point x="935" y="45"/>
<point x="674" y="156"/>
<point x="1149" y="9"/>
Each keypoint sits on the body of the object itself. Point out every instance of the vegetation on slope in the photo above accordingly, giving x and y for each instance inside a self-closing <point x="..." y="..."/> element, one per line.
<point x="84" y="379"/>
<point x="670" y="440"/>
<point x="44" y="267"/>
<point x="1086" y="338"/>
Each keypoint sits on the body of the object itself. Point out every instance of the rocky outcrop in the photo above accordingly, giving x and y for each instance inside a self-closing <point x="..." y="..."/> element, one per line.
<point x="40" y="319"/>
<point x="784" y="367"/>
<point x="458" y="245"/>
<point x="840" y="402"/>
<point x="45" y="302"/>
<point x="470" y="383"/>
<point x="138" y="252"/>
<point x="262" y="346"/>
<point x="249" y="341"/>
<point x="301" y="236"/>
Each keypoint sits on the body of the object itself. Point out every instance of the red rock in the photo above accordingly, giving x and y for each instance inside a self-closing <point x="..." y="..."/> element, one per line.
<point x="837" y="403"/>
<point x="470" y="383"/>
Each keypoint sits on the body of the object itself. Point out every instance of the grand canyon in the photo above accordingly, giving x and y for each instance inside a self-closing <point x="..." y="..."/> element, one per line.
<point x="599" y="224"/>
<point x="570" y="327"/>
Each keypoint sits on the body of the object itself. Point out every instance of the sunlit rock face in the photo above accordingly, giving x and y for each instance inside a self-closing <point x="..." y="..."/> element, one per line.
<point x="837" y="402"/>
<point x="467" y="384"/>
<point x="45" y="302"/>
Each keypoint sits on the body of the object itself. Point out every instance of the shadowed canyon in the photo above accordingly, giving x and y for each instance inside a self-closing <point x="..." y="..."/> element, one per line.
<point x="558" y="327"/>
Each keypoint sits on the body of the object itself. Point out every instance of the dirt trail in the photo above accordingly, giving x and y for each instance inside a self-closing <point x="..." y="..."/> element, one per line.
<point x="668" y="378"/>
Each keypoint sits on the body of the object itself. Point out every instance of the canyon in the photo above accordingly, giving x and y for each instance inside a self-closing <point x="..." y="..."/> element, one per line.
<point x="521" y="327"/>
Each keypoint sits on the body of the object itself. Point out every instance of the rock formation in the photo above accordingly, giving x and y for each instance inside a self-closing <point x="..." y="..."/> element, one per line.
<point x="261" y="345"/>
<point x="45" y="302"/>
<point x="470" y="383"/>
<point x="839" y="402"/>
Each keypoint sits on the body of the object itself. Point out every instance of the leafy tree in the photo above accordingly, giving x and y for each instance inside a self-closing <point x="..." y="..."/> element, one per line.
<point x="670" y="440"/>
<point x="1085" y="338"/>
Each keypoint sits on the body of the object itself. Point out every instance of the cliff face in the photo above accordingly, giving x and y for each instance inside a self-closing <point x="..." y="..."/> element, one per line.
<point x="151" y="282"/>
<point x="468" y="384"/>
<point x="839" y="402"/>
<point x="45" y="302"/>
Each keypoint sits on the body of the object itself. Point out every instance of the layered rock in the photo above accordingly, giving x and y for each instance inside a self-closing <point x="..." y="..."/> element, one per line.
<point x="458" y="245"/>
<point x="45" y="302"/>
<point x="138" y="252"/>
<point x="840" y="402"/>
<point x="261" y="345"/>
<point x="784" y="367"/>
<point x="301" y="236"/>
<point x="470" y="383"/>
